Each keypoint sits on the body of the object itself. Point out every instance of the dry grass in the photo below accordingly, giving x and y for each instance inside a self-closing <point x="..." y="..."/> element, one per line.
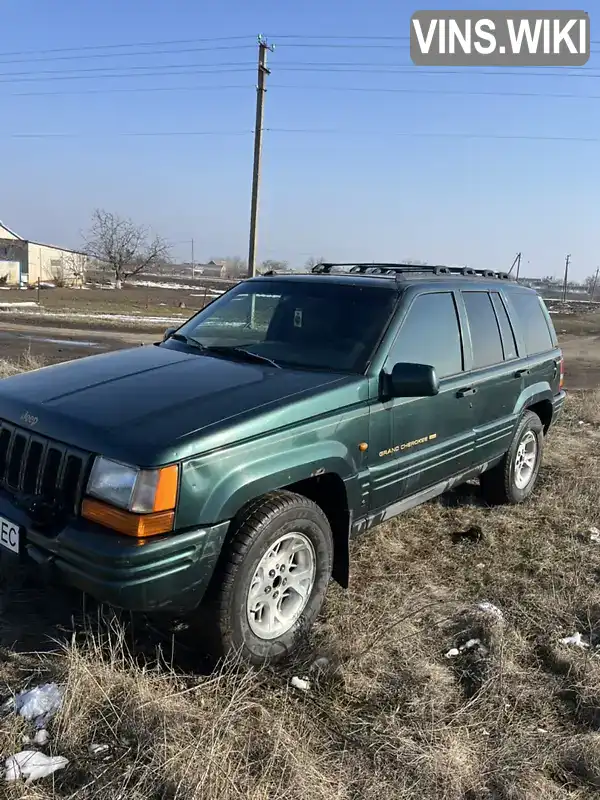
<point x="391" y="717"/>
<point x="25" y="363"/>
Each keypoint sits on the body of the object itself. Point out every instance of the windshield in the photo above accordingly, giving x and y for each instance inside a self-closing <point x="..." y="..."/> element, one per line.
<point x="309" y="324"/>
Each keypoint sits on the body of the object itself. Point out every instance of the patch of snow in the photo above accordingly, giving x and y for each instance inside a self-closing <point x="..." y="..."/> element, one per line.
<point x="39" y="704"/>
<point x="576" y="640"/>
<point x="32" y="765"/>
<point x="453" y="652"/>
<point x="166" y="285"/>
<point x="113" y="317"/>
<point x="300" y="683"/>
<point x="594" y="535"/>
<point x="24" y="304"/>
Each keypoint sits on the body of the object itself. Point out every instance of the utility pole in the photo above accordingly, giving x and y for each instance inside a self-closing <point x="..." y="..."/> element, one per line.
<point x="517" y="261"/>
<point x="567" y="260"/>
<point x="193" y="273"/>
<point x="263" y="47"/>
<point x="593" y="292"/>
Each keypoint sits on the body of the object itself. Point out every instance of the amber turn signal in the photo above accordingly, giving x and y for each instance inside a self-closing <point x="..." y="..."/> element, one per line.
<point x="165" y="498"/>
<point x="137" y="525"/>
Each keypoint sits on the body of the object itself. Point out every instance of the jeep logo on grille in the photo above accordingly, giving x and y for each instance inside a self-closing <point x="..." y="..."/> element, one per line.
<point x="29" y="419"/>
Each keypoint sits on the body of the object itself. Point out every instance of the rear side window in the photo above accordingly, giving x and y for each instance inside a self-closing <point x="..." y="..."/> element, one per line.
<point x="430" y="334"/>
<point x="532" y="320"/>
<point x="485" y="334"/>
<point x="508" y="335"/>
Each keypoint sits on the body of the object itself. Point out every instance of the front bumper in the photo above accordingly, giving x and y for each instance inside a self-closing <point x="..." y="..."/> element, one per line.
<point x="166" y="573"/>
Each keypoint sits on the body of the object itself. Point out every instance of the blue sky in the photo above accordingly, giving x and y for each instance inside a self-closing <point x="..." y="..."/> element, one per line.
<point x="372" y="189"/>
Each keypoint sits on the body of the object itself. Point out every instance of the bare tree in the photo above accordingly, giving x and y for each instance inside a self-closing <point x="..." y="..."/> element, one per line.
<point x="124" y="247"/>
<point x="235" y="266"/>
<point x="591" y="283"/>
<point x="312" y="262"/>
<point x="415" y="262"/>
<point x="273" y="264"/>
<point x="74" y="266"/>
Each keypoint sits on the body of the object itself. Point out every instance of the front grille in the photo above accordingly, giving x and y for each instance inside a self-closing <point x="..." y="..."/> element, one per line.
<point x="41" y="469"/>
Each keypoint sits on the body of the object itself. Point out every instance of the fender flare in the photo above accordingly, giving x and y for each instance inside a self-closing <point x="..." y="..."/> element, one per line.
<point x="248" y="481"/>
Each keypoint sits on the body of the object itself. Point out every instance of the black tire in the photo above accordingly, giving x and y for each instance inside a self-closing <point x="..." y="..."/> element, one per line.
<point x="498" y="485"/>
<point x="259" y="526"/>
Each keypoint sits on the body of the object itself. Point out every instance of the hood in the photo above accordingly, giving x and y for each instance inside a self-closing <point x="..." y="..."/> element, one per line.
<point x="146" y="401"/>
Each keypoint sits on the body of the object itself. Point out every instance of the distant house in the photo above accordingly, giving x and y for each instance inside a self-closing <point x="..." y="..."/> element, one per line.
<point x="212" y="269"/>
<point x="24" y="262"/>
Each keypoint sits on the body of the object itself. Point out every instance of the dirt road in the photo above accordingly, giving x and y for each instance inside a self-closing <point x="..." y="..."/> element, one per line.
<point x="57" y="344"/>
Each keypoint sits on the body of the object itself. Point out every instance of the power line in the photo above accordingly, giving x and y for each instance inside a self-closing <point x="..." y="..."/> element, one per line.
<point x="305" y="87"/>
<point x="124" y="134"/>
<point x="432" y="134"/>
<point x="460" y="92"/>
<point x="208" y="70"/>
<point x="293" y="65"/>
<point x="61" y="72"/>
<point x="87" y="48"/>
<point x="130" y="55"/>
<point x="308" y="131"/>
<point x="138" y="89"/>
<point x="400" y="69"/>
<point x="138" y="71"/>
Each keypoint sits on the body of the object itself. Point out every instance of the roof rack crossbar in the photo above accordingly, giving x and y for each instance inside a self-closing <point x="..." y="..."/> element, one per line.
<point x="399" y="269"/>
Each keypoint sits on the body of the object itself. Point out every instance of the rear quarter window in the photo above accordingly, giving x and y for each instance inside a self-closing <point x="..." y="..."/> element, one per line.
<point x="533" y="321"/>
<point x="485" y="333"/>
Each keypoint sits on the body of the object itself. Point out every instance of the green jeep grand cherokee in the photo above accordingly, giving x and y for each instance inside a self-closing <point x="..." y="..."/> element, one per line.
<point x="223" y="470"/>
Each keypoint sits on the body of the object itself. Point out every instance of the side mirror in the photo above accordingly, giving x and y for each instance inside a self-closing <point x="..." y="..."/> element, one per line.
<point x="168" y="333"/>
<point x="413" y="380"/>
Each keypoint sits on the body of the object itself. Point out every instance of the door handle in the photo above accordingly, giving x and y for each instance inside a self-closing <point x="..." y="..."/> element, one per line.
<point x="520" y="372"/>
<point x="465" y="392"/>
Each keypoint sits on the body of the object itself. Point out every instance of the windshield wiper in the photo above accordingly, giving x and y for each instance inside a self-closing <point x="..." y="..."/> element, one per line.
<point x="248" y="355"/>
<point x="181" y="337"/>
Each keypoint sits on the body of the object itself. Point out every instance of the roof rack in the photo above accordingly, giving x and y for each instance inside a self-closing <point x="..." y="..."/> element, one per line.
<point x="401" y="270"/>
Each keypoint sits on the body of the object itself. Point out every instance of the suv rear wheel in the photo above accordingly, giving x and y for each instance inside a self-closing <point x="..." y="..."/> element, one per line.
<point x="274" y="579"/>
<point x="514" y="478"/>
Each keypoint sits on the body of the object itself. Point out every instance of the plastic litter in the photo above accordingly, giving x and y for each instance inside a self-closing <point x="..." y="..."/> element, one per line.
<point x="300" y="683"/>
<point x="39" y="704"/>
<point x="97" y="749"/>
<point x="41" y="737"/>
<point x="470" y="645"/>
<point x="32" y="765"/>
<point x="490" y="608"/>
<point x="576" y="640"/>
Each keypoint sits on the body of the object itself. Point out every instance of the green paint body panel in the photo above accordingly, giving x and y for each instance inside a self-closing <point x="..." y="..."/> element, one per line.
<point x="240" y="429"/>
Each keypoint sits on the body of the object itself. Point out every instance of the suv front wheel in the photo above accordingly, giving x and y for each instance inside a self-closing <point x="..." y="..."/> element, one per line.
<point x="274" y="577"/>
<point x="514" y="478"/>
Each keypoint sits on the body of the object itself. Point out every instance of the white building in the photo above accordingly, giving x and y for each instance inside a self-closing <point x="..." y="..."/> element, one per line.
<point x="23" y="262"/>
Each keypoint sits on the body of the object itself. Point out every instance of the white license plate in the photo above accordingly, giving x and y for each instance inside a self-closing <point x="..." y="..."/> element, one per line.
<point x="9" y="535"/>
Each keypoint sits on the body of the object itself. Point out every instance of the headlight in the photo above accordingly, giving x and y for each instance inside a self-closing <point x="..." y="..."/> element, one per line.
<point x="141" y="491"/>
